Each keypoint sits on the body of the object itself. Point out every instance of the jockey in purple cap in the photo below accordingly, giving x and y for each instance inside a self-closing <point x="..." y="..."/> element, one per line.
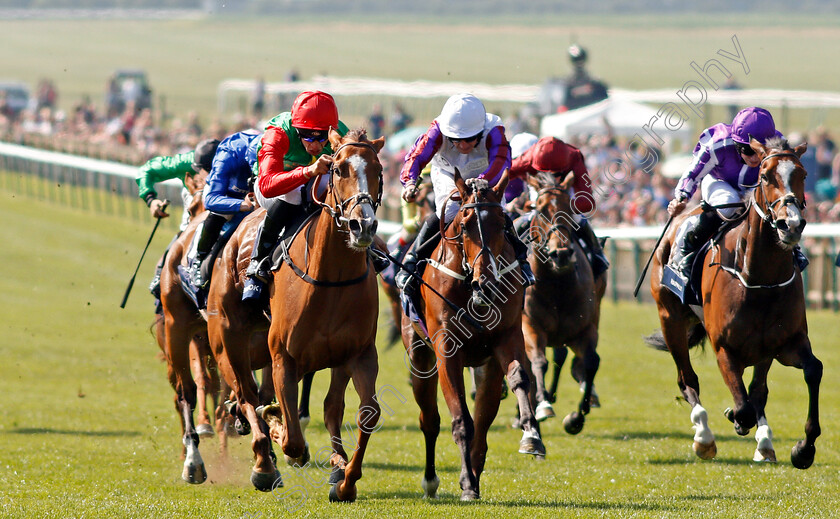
<point x="725" y="168"/>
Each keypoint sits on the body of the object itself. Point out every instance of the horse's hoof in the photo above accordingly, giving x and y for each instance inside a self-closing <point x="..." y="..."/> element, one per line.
<point x="266" y="481"/>
<point x="205" y="430"/>
<point x="741" y="430"/>
<point x="766" y="455"/>
<point x="594" y="401"/>
<point x="705" y="451"/>
<point x="335" y="498"/>
<point x="242" y="428"/>
<point x="729" y="414"/>
<point x="300" y="462"/>
<point x="573" y="422"/>
<point x="336" y="475"/>
<point x="544" y="411"/>
<point x="469" y="495"/>
<point x="532" y="446"/>
<point x="430" y="487"/>
<point x="195" y="474"/>
<point x="802" y="455"/>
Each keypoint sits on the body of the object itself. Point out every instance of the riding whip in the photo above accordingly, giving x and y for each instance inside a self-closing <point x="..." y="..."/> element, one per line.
<point x="644" y="271"/>
<point x="131" y="282"/>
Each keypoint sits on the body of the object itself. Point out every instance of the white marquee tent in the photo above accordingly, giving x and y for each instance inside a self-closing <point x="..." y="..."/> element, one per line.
<point x="625" y="119"/>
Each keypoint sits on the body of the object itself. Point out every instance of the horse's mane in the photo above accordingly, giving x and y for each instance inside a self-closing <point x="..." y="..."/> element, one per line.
<point x="777" y="143"/>
<point x="357" y="135"/>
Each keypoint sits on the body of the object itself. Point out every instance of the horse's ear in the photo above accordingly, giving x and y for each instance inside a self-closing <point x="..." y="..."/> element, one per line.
<point x="568" y="181"/>
<point x="378" y="144"/>
<point x="463" y="190"/>
<point x="501" y="185"/>
<point x="799" y="150"/>
<point x="758" y="147"/>
<point x="335" y="139"/>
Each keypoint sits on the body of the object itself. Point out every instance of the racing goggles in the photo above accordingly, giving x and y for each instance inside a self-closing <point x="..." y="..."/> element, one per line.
<point x="313" y="135"/>
<point x="475" y="137"/>
<point x="744" y="149"/>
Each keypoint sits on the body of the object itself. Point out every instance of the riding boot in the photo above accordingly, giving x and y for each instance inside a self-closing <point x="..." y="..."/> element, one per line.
<point x="701" y="229"/>
<point x="427" y="239"/>
<point x="259" y="269"/>
<point x="521" y="251"/>
<point x="208" y="234"/>
<point x="599" y="260"/>
<point x="521" y="224"/>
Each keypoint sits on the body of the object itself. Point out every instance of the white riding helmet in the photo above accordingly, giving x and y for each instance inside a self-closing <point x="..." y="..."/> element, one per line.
<point x="462" y="116"/>
<point x="521" y="142"/>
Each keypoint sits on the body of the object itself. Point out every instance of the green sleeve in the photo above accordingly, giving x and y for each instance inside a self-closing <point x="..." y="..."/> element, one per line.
<point x="160" y="169"/>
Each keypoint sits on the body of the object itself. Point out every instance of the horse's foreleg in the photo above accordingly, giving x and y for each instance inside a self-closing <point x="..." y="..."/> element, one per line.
<point x="487" y="399"/>
<point x="535" y="344"/>
<point x="510" y="357"/>
<point x="802" y="454"/>
<point x="364" y="371"/>
<point x="284" y="371"/>
<point x="744" y="413"/>
<point x="424" y="382"/>
<point x="451" y="373"/>
<point x="590" y="361"/>
<point x="560" y="354"/>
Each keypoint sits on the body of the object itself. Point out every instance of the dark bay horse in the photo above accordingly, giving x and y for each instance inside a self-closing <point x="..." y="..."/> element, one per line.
<point x="324" y="308"/>
<point x="474" y="269"/>
<point x="753" y="308"/>
<point x="563" y="309"/>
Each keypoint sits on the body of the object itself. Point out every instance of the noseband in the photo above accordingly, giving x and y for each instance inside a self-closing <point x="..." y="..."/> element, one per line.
<point x="769" y="213"/>
<point x="338" y="211"/>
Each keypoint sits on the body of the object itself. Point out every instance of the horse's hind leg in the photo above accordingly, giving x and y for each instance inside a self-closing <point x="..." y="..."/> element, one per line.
<point x="560" y="355"/>
<point x="579" y="374"/>
<point x="802" y="454"/>
<point x="764" y="450"/>
<point x="303" y="408"/>
<point x="202" y="380"/>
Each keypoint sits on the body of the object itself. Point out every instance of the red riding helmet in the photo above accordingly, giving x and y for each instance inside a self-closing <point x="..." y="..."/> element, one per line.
<point x="314" y="111"/>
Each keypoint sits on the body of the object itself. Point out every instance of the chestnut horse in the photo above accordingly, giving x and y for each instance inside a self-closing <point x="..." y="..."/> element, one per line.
<point x="324" y="308"/>
<point x="474" y="269"/>
<point x="563" y="309"/>
<point x="753" y="307"/>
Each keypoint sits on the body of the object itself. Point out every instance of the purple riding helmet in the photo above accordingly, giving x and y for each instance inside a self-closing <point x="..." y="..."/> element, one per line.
<point x="753" y="122"/>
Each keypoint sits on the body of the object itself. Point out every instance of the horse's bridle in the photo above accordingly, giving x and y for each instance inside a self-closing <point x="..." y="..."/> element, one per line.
<point x="338" y="211"/>
<point x="468" y="266"/>
<point x="555" y="227"/>
<point x="769" y="214"/>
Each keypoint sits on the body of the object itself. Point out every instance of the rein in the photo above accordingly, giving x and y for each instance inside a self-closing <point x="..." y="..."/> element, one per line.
<point x="768" y="215"/>
<point x="337" y="213"/>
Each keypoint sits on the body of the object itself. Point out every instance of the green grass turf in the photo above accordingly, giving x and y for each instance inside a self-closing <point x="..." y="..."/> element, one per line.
<point x="88" y="427"/>
<point x="186" y="59"/>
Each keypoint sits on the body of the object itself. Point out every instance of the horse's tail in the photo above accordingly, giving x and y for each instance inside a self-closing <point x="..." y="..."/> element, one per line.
<point x="696" y="336"/>
<point x="156" y="329"/>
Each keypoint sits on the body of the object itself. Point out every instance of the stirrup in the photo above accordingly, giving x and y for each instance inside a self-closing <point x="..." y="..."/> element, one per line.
<point x="195" y="273"/>
<point x="259" y="269"/>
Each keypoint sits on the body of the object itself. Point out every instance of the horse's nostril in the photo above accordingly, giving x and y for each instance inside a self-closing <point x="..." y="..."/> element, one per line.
<point x="782" y="225"/>
<point x="355" y="226"/>
<point x="374" y="226"/>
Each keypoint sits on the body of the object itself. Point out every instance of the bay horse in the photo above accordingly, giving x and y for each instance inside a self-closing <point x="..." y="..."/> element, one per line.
<point x="323" y="302"/>
<point x="563" y="309"/>
<point x="753" y="307"/>
<point x="474" y="269"/>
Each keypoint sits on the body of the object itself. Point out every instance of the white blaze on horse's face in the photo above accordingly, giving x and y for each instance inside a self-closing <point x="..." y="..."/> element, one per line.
<point x="791" y="232"/>
<point x="359" y="165"/>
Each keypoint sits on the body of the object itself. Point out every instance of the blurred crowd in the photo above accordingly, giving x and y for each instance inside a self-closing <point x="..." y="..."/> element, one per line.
<point x="635" y="196"/>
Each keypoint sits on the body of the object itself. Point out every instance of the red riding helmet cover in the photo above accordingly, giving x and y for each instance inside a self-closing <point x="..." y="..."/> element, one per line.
<point x="314" y="111"/>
